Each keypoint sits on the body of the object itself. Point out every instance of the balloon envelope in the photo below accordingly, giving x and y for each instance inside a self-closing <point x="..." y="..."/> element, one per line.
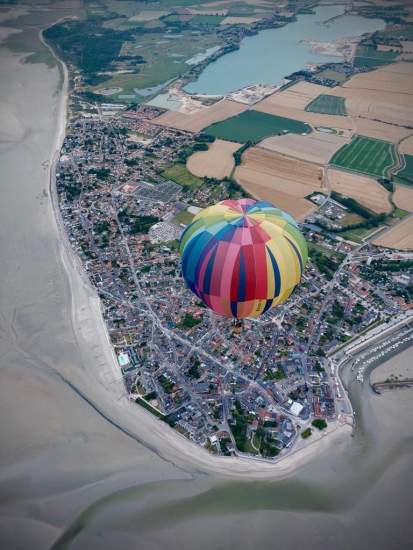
<point x="242" y="257"/>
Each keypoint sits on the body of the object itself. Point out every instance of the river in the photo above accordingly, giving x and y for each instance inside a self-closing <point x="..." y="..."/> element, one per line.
<point x="272" y="54"/>
<point x="81" y="468"/>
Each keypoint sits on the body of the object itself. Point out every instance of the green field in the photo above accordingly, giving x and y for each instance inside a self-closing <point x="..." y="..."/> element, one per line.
<point x="367" y="56"/>
<point x="179" y="174"/>
<point x="333" y="75"/>
<point x="206" y="20"/>
<point x="327" y="105"/>
<point x="399" y="213"/>
<point x="357" y="235"/>
<point x="368" y="156"/>
<point x="254" y="126"/>
<point x="184" y="217"/>
<point x="406" y="175"/>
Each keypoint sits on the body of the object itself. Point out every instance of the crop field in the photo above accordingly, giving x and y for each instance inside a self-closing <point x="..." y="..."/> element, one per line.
<point x="281" y="180"/>
<point x="206" y="20"/>
<point x="327" y="105"/>
<point x="403" y="197"/>
<point x="406" y="146"/>
<point x="272" y="105"/>
<point x="406" y="175"/>
<point x="298" y="95"/>
<point x="231" y="20"/>
<point x="400" y="236"/>
<point x="384" y="95"/>
<point x="396" y="78"/>
<point x="217" y="162"/>
<point x="367" y="191"/>
<point x="179" y="174"/>
<point x="368" y="156"/>
<point x="255" y="126"/>
<point x="195" y="122"/>
<point x="316" y="147"/>
<point x="367" y="56"/>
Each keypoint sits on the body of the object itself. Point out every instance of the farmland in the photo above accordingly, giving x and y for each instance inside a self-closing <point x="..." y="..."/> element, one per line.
<point x="206" y="20"/>
<point x="367" y="56"/>
<point x="328" y="105"/>
<point x="282" y="180"/>
<point x="367" y="191"/>
<point x="217" y="162"/>
<point x="297" y="96"/>
<point x="403" y="197"/>
<point x="406" y="175"/>
<point x="197" y="121"/>
<point x="396" y="78"/>
<point x="406" y="146"/>
<point x="400" y="236"/>
<point x="315" y="147"/>
<point x="367" y="156"/>
<point x="255" y="126"/>
<point x="291" y="103"/>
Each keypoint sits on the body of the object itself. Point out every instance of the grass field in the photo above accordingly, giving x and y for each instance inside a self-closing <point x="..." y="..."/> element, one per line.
<point x="179" y="174"/>
<point x="184" y="217"/>
<point x="206" y="20"/>
<point x="255" y="126"/>
<point x="357" y="235"/>
<point x="367" y="56"/>
<point x="333" y="75"/>
<point x="399" y="213"/>
<point x="368" y="156"/>
<point x="327" y="105"/>
<point x="406" y="175"/>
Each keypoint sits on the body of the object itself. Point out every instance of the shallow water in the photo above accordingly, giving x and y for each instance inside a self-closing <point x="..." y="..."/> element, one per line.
<point x="69" y="474"/>
<point x="275" y="53"/>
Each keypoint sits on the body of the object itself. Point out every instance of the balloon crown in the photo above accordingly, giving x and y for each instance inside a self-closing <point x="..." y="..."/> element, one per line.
<point x="242" y="257"/>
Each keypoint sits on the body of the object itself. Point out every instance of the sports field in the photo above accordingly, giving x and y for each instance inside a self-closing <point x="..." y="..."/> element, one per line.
<point x="255" y="126"/>
<point x="327" y="105"/>
<point x="406" y="175"/>
<point x="368" y="156"/>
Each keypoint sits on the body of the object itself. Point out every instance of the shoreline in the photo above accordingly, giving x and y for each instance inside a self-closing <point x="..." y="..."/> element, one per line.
<point x="182" y="449"/>
<point x="159" y="436"/>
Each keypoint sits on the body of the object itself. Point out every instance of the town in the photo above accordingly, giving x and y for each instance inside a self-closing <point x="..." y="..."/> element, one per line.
<point x="253" y="388"/>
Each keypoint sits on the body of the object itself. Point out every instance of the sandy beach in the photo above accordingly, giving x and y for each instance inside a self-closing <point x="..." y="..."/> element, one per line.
<point x="112" y="400"/>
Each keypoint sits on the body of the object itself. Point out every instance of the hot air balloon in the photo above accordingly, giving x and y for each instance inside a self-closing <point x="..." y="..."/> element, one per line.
<point x="242" y="257"/>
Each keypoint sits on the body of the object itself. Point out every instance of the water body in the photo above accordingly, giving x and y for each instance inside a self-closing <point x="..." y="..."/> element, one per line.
<point x="77" y="467"/>
<point x="275" y="53"/>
